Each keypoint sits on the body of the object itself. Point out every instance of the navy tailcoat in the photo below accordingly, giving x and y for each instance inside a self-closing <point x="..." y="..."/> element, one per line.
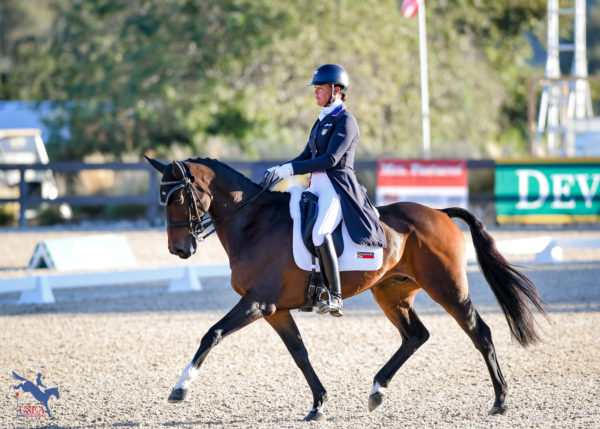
<point x="331" y="148"/>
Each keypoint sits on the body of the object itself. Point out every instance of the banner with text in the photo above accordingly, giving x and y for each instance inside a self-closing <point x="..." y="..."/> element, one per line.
<point x="557" y="191"/>
<point x="434" y="183"/>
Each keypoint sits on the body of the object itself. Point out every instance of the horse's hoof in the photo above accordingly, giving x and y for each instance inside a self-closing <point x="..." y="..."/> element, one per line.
<point x="375" y="400"/>
<point x="315" y="416"/>
<point x="498" y="411"/>
<point x="177" y="395"/>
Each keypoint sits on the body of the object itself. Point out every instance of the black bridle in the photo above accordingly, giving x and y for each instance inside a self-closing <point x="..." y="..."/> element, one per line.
<point x="196" y="223"/>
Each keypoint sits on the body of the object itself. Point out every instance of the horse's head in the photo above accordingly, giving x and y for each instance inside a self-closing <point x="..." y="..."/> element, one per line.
<point x="52" y="391"/>
<point x="187" y="204"/>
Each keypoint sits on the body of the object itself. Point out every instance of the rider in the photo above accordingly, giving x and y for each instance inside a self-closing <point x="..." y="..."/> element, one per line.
<point x="329" y="157"/>
<point x="38" y="380"/>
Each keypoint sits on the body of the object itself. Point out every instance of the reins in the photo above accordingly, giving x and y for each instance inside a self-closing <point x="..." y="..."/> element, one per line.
<point x="198" y="224"/>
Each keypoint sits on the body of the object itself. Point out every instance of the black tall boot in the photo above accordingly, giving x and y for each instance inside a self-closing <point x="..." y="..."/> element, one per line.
<point x="329" y="267"/>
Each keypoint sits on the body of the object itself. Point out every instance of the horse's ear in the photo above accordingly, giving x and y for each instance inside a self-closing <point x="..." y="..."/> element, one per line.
<point x="178" y="170"/>
<point x="159" y="166"/>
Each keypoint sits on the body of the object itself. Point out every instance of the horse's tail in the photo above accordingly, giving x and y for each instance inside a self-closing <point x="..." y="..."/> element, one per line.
<point x="511" y="287"/>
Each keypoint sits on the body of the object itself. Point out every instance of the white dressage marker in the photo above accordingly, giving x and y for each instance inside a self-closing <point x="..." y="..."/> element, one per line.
<point x="92" y="252"/>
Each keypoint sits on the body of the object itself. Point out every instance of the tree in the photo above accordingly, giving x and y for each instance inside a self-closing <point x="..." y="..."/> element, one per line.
<point x="226" y="78"/>
<point x="23" y="28"/>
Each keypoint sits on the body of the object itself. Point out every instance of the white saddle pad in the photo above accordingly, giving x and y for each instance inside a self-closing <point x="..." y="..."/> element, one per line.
<point x="354" y="258"/>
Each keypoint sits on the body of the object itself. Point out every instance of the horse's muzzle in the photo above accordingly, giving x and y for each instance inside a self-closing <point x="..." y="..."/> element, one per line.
<point x="186" y="249"/>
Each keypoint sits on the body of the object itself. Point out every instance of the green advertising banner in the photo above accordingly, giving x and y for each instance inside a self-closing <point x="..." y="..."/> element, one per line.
<point x="548" y="191"/>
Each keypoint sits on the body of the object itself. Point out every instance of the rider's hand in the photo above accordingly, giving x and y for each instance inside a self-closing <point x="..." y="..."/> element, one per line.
<point x="283" y="171"/>
<point x="269" y="175"/>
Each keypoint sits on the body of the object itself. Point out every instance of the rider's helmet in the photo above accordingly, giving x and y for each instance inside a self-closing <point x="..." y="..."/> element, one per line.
<point x="331" y="74"/>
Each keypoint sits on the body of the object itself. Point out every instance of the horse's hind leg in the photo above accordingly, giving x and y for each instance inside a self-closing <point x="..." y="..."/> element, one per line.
<point x="246" y="311"/>
<point x="285" y="326"/>
<point x="396" y="300"/>
<point x="479" y="332"/>
<point x="457" y="303"/>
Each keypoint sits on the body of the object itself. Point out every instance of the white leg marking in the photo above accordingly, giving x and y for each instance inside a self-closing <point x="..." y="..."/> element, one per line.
<point x="188" y="375"/>
<point x="378" y="389"/>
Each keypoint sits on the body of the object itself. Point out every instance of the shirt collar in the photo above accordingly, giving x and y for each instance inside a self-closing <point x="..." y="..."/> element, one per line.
<point x="328" y="109"/>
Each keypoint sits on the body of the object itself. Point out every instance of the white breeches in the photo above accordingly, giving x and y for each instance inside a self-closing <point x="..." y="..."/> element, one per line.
<point x="329" y="208"/>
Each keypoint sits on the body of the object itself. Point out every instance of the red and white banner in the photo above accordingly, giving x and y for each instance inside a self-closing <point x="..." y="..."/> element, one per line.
<point x="437" y="184"/>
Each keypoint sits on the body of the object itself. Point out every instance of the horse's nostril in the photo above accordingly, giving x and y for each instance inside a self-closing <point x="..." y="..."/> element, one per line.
<point x="177" y="251"/>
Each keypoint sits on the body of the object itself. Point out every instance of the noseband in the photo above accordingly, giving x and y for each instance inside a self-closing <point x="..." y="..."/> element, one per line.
<point x="197" y="224"/>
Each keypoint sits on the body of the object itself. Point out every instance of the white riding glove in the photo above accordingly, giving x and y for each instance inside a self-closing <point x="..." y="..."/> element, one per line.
<point x="283" y="171"/>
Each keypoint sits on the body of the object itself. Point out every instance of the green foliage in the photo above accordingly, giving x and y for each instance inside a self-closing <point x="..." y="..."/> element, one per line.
<point x="123" y="212"/>
<point x="24" y="27"/>
<point x="49" y="215"/>
<point x="226" y="77"/>
<point x="109" y="212"/>
<point x="7" y="214"/>
<point x="593" y="41"/>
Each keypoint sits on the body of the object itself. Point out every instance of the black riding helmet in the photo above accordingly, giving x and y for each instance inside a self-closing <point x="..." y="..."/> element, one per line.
<point x="331" y="74"/>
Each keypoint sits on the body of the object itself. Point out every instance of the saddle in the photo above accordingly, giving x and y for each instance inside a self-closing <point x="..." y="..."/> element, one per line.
<point x="351" y="256"/>
<point x="316" y="283"/>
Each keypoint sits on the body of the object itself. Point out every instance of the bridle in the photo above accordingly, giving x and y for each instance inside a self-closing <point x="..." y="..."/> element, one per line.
<point x="198" y="224"/>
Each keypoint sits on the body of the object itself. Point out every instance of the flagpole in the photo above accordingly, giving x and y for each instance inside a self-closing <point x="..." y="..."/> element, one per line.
<point x="424" y="80"/>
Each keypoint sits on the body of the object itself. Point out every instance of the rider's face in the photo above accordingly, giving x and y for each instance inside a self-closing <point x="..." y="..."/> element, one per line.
<point x="323" y="94"/>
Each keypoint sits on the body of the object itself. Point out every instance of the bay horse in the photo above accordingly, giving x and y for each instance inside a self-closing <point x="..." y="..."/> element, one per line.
<point x="425" y="250"/>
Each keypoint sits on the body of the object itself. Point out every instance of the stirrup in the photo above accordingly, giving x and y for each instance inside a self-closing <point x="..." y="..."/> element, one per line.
<point x="333" y="305"/>
<point x="324" y="305"/>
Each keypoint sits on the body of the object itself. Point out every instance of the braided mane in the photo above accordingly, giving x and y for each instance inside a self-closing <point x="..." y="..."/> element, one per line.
<point x="215" y="163"/>
<point x="212" y="163"/>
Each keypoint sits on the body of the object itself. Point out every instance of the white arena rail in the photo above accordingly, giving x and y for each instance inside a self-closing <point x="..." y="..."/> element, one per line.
<point x="546" y="249"/>
<point x="37" y="289"/>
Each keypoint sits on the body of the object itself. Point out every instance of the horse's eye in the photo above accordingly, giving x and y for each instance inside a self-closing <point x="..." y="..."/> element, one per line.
<point x="179" y="199"/>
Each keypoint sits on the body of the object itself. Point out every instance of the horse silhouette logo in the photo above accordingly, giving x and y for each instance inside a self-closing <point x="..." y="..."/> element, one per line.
<point x="36" y="391"/>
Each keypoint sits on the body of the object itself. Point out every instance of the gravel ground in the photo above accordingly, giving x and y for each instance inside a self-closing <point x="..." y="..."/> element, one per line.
<point x="115" y="354"/>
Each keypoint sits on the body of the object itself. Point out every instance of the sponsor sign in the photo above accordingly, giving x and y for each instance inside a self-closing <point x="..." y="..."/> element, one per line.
<point x="434" y="183"/>
<point x="557" y="191"/>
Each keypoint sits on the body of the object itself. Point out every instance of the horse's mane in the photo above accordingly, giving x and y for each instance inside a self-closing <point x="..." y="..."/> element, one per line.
<point x="215" y="163"/>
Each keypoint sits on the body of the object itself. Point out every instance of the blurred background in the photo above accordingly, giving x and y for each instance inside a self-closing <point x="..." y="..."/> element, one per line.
<point x="107" y="81"/>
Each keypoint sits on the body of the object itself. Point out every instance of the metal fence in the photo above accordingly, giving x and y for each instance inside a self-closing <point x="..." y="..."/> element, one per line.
<point x="26" y="199"/>
<point x="149" y="200"/>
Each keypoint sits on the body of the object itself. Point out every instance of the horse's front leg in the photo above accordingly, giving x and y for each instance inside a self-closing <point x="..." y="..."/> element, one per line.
<point x="246" y="311"/>
<point x="285" y="326"/>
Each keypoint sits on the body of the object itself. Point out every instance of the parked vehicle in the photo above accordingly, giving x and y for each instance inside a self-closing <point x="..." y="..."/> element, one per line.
<point x="25" y="146"/>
